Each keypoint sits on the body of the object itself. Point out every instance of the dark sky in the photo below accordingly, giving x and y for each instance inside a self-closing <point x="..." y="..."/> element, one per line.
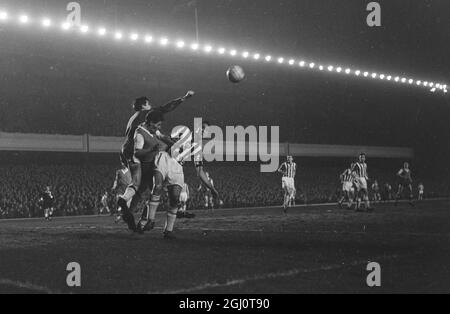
<point x="414" y="40"/>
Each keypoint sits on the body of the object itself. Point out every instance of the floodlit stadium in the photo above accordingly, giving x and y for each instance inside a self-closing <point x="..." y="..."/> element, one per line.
<point x="224" y="147"/>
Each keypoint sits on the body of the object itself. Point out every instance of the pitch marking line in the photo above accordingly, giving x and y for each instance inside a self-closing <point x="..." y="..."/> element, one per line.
<point x="26" y="285"/>
<point x="289" y="273"/>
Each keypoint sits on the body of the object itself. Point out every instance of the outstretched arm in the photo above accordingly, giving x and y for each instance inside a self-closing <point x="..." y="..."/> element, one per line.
<point x="171" y="106"/>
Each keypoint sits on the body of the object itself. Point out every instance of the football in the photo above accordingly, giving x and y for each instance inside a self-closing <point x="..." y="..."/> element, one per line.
<point x="235" y="74"/>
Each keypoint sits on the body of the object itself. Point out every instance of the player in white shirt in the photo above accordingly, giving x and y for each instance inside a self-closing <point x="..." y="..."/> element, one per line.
<point x="289" y="170"/>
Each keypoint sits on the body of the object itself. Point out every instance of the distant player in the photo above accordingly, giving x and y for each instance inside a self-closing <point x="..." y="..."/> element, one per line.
<point x="208" y="195"/>
<point x="199" y="163"/>
<point x="121" y="181"/>
<point x="182" y="208"/>
<point x="405" y="183"/>
<point x="387" y="192"/>
<point x="347" y="179"/>
<point x="421" y="189"/>
<point x="104" y="206"/>
<point x="361" y="178"/>
<point x="376" y="192"/>
<point x="143" y="107"/>
<point x="47" y="202"/>
<point x="289" y="170"/>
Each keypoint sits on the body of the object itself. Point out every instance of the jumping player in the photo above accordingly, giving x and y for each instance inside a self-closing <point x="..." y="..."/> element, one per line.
<point x="405" y="182"/>
<point x="361" y="178"/>
<point x="47" y="201"/>
<point x="143" y="107"/>
<point x="347" y="179"/>
<point x="152" y="149"/>
<point x="288" y="169"/>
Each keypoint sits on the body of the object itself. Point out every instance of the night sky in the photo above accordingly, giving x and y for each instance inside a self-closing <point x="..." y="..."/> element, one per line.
<point x="326" y="108"/>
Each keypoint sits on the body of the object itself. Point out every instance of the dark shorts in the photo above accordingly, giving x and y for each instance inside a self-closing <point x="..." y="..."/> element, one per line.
<point x="147" y="172"/>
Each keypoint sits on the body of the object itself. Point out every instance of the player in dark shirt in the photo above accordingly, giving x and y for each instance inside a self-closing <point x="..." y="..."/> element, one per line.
<point x="143" y="107"/>
<point x="405" y="183"/>
<point x="47" y="201"/>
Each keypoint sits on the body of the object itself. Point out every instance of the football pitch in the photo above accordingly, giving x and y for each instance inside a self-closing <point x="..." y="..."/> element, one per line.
<point x="314" y="249"/>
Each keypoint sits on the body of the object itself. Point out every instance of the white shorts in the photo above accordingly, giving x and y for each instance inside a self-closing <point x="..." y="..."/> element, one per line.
<point x="170" y="169"/>
<point x="183" y="197"/>
<point x="347" y="187"/>
<point x="361" y="184"/>
<point x="288" y="184"/>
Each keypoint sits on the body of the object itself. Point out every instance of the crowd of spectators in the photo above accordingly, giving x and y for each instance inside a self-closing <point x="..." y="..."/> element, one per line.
<point x="78" y="188"/>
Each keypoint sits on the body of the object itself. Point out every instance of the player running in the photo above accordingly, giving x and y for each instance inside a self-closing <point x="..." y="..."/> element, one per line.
<point x="288" y="169"/>
<point x="347" y="179"/>
<point x="361" y="178"/>
<point x="47" y="202"/>
<point x="405" y="183"/>
<point x="143" y="107"/>
<point x="104" y="206"/>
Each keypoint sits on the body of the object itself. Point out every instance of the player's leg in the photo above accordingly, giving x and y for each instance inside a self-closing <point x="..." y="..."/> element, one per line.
<point x="147" y="221"/>
<point x="398" y="196"/>
<point x="174" y="197"/>
<point x="411" y="195"/>
<point x="367" y="200"/>
<point x="132" y="189"/>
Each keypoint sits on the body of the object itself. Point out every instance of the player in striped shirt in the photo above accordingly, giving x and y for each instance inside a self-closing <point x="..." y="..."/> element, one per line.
<point x="361" y="178"/>
<point x="289" y="170"/>
<point x="347" y="179"/>
<point x="405" y="182"/>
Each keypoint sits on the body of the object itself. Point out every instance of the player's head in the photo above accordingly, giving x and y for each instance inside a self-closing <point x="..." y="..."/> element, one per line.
<point x="362" y="157"/>
<point x="142" y="103"/>
<point x="406" y="165"/>
<point x="290" y="158"/>
<point x="154" y="120"/>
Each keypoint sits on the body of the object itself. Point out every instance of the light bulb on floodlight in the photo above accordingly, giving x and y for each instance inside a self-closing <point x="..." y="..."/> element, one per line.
<point x="84" y="29"/>
<point x="366" y="74"/>
<point x="374" y="75"/>
<point x="389" y="78"/>
<point x="101" y="31"/>
<point x="66" y="26"/>
<point x="411" y="81"/>
<point x="403" y="80"/>
<point x="245" y="54"/>
<point x="3" y="16"/>
<point x="330" y="68"/>
<point x="382" y="76"/>
<point x="221" y="51"/>
<point x="321" y="67"/>
<point x="233" y="52"/>
<point x="357" y="72"/>
<point x="208" y="48"/>
<point x="148" y="39"/>
<point x="118" y="35"/>
<point x="302" y="63"/>
<point x="397" y="79"/>
<point x="339" y="70"/>
<point x="180" y="44"/>
<point x="24" y="19"/>
<point x="280" y="60"/>
<point x="291" y="62"/>
<point x="419" y="83"/>
<point x="256" y="56"/>
<point x="134" y="37"/>
<point x="312" y="65"/>
<point x="163" y="41"/>
<point x="268" y="58"/>
<point x="347" y="71"/>
<point x="46" y="23"/>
